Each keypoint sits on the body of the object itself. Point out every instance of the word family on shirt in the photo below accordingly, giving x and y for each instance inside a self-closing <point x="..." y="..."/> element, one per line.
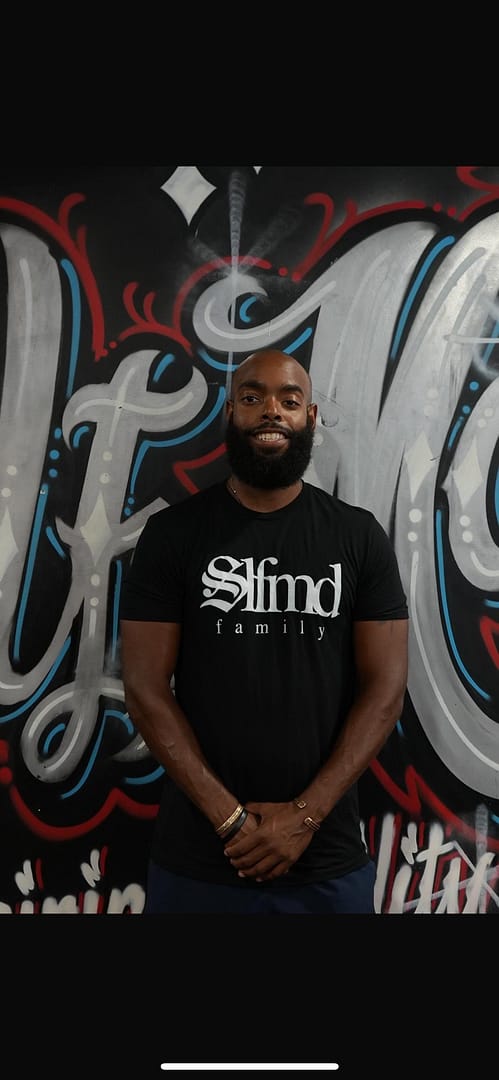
<point x="263" y="628"/>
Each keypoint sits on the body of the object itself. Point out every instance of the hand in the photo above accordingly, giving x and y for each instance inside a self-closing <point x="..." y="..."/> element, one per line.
<point x="268" y="850"/>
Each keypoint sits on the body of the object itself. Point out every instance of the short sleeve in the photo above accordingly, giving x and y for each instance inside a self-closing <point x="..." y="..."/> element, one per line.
<point x="152" y="589"/>
<point x="380" y="593"/>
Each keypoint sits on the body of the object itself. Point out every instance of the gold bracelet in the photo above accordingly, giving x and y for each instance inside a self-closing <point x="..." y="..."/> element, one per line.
<point x="308" y="821"/>
<point x="222" y="829"/>
<point x="311" y="824"/>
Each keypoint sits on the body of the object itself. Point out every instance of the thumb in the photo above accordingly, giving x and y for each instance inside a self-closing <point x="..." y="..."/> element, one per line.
<point x="256" y="809"/>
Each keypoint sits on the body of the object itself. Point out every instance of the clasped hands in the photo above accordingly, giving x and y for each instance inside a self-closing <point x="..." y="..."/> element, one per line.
<point x="272" y="838"/>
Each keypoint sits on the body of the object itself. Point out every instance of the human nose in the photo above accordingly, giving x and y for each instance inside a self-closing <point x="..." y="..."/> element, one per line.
<point x="271" y="406"/>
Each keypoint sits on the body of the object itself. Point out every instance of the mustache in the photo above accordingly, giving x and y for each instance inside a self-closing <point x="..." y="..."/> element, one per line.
<point x="270" y="427"/>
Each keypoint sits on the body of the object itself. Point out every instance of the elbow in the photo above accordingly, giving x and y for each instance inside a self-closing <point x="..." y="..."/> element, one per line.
<point x="132" y="701"/>
<point x="392" y="710"/>
<point x="132" y="708"/>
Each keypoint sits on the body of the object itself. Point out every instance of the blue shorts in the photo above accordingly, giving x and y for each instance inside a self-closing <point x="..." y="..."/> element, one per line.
<point x="171" y="894"/>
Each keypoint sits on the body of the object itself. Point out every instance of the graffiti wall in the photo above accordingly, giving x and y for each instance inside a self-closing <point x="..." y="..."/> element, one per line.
<point x="128" y="295"/>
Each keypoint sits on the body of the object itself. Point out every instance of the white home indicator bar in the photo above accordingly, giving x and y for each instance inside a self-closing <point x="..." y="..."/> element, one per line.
<point x="302" y="1066"/>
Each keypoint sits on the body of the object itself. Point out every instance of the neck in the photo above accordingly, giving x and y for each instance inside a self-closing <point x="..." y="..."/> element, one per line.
<point x="259" y="498"/>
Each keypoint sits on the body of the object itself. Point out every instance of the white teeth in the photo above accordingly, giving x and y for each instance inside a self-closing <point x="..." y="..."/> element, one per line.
<point x="270" y="436"/>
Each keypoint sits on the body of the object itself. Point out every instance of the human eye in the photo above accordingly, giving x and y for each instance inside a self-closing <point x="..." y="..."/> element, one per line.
<point x="291" y="403"/>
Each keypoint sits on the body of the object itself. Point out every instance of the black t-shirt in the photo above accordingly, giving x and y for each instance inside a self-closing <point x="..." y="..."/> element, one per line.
<point x="265" y="672"/>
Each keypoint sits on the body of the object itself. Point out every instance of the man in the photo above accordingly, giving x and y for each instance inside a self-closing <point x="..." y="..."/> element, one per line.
<point x="264" y="656"/>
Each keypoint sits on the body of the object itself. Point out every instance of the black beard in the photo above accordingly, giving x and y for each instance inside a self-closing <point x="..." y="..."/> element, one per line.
<point x="263" y="469"/>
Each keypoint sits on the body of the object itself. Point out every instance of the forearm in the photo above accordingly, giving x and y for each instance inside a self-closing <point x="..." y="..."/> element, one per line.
<point x="172" y="742"/>
<point x="381" y="680"/>
<point x="286" y="829"/>
<point x="366" y="729"/>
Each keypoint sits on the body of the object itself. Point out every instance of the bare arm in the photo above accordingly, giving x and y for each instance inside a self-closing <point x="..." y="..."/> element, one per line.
<point x="149" y="651"/>
<point x="381" y="665"/>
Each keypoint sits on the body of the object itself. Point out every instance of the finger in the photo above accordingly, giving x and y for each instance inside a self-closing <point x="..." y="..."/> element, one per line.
<point x="249" y="859"/>
<point x="260" y="869"/>
<point x="243" y="845"/>
<point x="278" y="871"/>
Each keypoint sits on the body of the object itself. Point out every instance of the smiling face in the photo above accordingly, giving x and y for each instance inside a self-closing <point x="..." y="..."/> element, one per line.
<point x="270" y="420"/>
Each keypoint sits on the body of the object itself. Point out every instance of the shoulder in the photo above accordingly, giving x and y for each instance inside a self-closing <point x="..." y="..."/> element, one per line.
<point x="356" y="528"/>
<point x="173" y="525"/>
<point x="187" y="509"/>
<point x="350" y="513"/>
